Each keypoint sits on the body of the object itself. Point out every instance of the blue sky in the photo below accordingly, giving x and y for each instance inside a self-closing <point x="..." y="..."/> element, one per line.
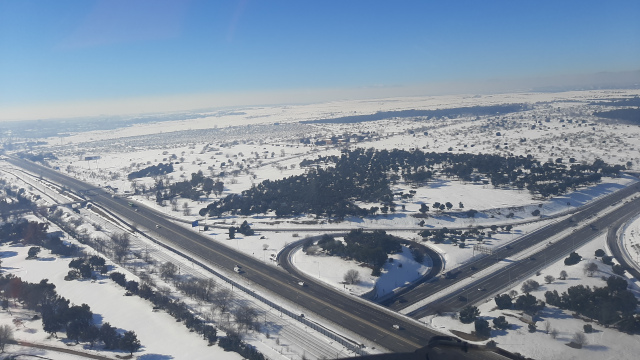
<point x="57" y="54"/>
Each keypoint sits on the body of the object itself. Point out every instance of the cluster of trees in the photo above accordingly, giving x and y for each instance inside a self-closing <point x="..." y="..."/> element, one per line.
<point x="630" y="115"/>
<point x="366" y="175"/>
<point x="161" y="301"/>
<point x="28" y="232"/>
<point x="34" y="233"/>
<point x="413" y="113"/>
<point x="153" y="170"/>
<point x="461" y="236"/>
<point x="370" y="248"/>
<point x="116" y="247"/>
<point x="21" y="200"/>
<point x="193" y="189"/>
<point x="233" y="342"/>
<point x="437" y="206"/>
<point x="470" y="314"/>
<point x="244" y="229"/>
<point x="611" y="304"/>
<point x="204" y="290"/>
<point x="59" y="315"/>
<point x="84" y="268"/>
<point x="526" y="302"/>
<point x="573" y="259"/>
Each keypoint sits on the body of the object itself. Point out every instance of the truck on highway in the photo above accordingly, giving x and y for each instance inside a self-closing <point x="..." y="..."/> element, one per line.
<point x="237" y="269"/>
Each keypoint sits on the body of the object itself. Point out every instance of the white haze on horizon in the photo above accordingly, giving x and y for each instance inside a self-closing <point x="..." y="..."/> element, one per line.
<point x="186" y="102"/>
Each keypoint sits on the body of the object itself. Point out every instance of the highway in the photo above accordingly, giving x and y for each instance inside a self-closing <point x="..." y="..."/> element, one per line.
<point x="368" y="320"/>
<point x="496" y="281"/>
<point x="536" y="237"/>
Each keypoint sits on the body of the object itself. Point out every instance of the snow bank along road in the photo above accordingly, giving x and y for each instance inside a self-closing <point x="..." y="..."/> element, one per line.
<point x="365" y="319"/>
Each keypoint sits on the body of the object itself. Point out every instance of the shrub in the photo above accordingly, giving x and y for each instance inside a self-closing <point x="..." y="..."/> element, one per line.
<point x="469" y="314"/>
<point x="573" y="259"/>
<point x="118" y="278"/>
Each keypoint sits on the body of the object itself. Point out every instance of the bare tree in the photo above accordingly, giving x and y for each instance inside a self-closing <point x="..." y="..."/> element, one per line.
<point x="553" y="333"/>
<point x="579" y="338"/>
<point x="563" y="275"/>
<point x="6" y="335"/>
<point x="549" y="279"/>
<point x="222" y="299"/>
<point x="245" y="316"/>
<point x="513" y="294"/>
<point x="168" y="270"/>
<point x="590" y="268"/>
<point x="121" y="246"/>
<point x="547" y="327"/>
<point x="205" y="288"/>
<point x="529" y="286"/>
<point x="164" y="291"/>
<point x="352" y="277"/>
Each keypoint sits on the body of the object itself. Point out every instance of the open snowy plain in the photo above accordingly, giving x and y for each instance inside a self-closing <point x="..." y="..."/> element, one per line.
<point x="244" y="147"/>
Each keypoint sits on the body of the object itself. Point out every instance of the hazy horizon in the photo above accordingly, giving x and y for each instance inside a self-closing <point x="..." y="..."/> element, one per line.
<point x="87" y="58"/>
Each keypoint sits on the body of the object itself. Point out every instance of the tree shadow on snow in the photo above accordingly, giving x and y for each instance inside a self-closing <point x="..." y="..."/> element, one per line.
<point x="392" y="216"/>
<point x="8" y="254"/>
<point x="500" y="332"/>
<point x="46" y="259"/>
<point x="97" y="319"/>
<point x="553" y="313"/>
<point x="155" y="357"/>
<point x="437" y="184"/>
<point x="596" y="347"/>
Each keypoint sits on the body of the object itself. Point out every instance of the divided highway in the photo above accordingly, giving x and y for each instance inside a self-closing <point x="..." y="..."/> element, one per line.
<point x="367" y="320"/>
<point x="560" y="248"/>
<point x="496" y="281"/>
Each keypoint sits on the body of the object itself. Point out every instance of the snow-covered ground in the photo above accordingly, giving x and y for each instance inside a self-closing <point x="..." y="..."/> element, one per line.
<point x="288" y="338"/>
<point x="331" y="269"/>
<point x="253" y="144"/>
<point x="603" y="342"/>
<point x="157" y="331"/>
<point x="631" y="240"/>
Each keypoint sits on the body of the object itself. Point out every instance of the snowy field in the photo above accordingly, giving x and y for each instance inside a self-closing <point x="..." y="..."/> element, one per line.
<point x="330" y="269"/>
<point x="246" y="146"/>
<point x="631" y="241"/>
<point x="287" y="338"/>
<point x="156" y="331"/>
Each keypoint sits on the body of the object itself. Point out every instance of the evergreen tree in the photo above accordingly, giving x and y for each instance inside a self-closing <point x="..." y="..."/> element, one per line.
<point x="129" y="342"/>
<point x="109" y="336"/>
